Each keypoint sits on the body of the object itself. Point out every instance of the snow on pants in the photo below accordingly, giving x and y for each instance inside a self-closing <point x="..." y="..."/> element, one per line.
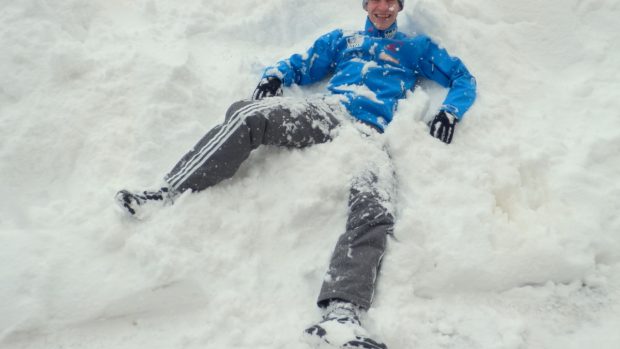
<point x="294" y="122"/>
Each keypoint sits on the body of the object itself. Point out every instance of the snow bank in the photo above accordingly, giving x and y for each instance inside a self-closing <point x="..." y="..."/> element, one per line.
<point x="508" y="238"/>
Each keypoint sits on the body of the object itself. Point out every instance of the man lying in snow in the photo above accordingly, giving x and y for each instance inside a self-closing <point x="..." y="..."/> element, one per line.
<point x="370" y="71"/>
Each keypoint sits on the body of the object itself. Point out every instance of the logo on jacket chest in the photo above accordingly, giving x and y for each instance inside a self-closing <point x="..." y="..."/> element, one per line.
<point x="355" y="41"/>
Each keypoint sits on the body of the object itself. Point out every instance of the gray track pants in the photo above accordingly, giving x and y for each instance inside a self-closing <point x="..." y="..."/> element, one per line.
<point x="299" y="123"/>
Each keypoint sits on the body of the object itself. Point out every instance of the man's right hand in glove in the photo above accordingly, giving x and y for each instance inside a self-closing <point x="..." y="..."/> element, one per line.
<point x="268" y="87"/>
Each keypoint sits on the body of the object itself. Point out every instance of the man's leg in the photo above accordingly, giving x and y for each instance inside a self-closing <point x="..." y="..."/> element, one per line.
<point x="217" y="156"/>
<point x="248" y="124"/>
<point x="349" y="285"/>
<point x="356" y="259"/>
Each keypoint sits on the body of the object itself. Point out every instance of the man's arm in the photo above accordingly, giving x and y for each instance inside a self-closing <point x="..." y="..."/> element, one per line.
<point x="437" y="65"/>
<point x="310" y="67"/>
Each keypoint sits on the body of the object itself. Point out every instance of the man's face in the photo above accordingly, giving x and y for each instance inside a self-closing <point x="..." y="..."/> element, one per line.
<point x="382" y="13"/>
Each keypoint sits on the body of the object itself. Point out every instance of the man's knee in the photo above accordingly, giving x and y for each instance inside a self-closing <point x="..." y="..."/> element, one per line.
<point x="253" y="114"/>
<point x="368" y="213"/>
<point x="239" y="108"/>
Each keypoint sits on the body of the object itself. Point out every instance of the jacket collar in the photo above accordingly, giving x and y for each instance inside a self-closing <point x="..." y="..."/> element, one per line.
<point x="389" y="33"/>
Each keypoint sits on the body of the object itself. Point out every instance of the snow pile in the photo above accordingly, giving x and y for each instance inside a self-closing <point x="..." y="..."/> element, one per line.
<point x="508" y="238"/>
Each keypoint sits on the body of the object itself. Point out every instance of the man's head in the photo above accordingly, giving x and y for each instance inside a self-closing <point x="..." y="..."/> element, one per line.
<point x="383" y="13"/>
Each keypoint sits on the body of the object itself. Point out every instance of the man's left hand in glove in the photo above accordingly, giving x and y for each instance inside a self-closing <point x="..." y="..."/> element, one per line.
<point x="442" y="127"/>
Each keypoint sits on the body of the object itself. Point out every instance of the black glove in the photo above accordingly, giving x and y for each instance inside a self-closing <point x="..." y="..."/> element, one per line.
<point x="442" y="127"/>
<point x="268" y="87"/>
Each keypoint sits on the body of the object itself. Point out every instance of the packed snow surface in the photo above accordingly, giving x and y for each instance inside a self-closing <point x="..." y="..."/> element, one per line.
<point x="507" y="238"/>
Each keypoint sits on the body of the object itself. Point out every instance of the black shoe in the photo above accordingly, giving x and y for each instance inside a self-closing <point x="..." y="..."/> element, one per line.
<point x="134" y="203"/>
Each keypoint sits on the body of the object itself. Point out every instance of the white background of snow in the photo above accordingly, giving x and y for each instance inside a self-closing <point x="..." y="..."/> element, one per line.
<point x="508" y="238"/>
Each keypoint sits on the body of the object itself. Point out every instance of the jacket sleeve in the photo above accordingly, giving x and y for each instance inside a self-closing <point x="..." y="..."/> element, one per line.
<point x="310" y="67"/>
<point x="436" y="64"/>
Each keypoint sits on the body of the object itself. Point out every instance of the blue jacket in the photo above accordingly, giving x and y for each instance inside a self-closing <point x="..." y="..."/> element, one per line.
<point x="373" y="68"/>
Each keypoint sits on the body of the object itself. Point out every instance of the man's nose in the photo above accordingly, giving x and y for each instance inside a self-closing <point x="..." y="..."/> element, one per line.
<point x="384" y="5"/>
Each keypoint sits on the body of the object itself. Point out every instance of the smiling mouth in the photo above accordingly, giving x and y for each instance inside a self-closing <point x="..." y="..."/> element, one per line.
<point x="383" y="17"/>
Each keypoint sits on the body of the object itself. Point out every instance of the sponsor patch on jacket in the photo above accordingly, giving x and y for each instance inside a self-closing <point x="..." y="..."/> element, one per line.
<point x="355" y="41"/>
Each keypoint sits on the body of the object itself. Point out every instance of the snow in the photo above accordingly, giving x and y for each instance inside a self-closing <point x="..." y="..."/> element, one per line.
<point x="360" y="90"/>
<point x="507" y="238"/>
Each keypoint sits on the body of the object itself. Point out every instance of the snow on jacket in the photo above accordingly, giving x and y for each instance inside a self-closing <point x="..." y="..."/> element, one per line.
<point x="374" y="68"/>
